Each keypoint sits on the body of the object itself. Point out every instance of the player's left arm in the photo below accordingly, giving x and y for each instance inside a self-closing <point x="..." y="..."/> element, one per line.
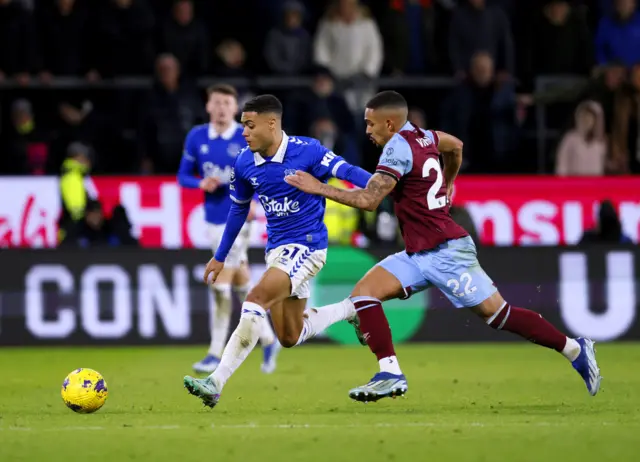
<point x="451" y="149"/>
<point x="329" y="164"/>
<point x="185" y="176"/>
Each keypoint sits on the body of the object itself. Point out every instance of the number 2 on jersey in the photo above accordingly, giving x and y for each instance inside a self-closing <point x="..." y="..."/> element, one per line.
<point x="434" y="202"/>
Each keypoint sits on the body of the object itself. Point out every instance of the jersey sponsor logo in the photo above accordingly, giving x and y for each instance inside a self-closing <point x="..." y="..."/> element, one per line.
<point x="388" y="151"/>
<point x="390" y="161"/>
<point x="424" y="142"/>
<point x="204" y="149"/>
<point x="279" y="208"/>
<point x="225" y="175"/>
<point x="326" y="160"/>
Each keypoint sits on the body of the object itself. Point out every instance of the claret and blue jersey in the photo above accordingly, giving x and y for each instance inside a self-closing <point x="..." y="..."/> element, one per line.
<point x="211" y="154"/>
<point x="293" y="216"/>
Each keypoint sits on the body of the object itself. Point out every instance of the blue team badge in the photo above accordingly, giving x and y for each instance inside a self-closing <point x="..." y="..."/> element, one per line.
<point x="233" y="149"/>
<point x="289" y="172"/>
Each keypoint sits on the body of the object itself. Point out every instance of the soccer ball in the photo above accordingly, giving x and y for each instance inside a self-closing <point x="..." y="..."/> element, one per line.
<point x="84" y="391"/>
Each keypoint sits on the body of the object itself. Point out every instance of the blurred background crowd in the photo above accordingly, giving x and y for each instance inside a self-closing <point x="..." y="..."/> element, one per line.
<point x="530" y="85"/>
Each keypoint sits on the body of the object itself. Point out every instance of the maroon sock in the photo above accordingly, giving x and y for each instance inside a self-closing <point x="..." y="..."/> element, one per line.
<point x="530" y="325"/>
<point x="374" y="326"/>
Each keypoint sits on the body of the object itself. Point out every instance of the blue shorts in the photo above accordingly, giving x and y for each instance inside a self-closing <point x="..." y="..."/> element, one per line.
<point x="452" y="267"/>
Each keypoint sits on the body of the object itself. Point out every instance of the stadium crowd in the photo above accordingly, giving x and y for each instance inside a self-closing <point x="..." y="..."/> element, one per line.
<point x="491" y="52"/>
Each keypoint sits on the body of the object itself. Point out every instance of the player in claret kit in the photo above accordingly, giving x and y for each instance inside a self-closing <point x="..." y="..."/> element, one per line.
<point x="296" y="238"/>
<point x="211" y="150"/>
<point x="438" y="252"/>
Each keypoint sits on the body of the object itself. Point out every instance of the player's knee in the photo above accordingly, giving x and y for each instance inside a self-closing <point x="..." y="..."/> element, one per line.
<point x="256" y="296"/>
<point x="287" y="340"/>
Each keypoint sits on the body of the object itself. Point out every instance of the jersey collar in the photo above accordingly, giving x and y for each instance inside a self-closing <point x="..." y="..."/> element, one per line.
<point x="279" y="155"/>
<point x="225" y="135"/>
<point x="407" y="126"/>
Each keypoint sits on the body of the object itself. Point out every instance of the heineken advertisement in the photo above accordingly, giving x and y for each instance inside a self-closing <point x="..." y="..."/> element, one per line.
<point x="143" y="296"/>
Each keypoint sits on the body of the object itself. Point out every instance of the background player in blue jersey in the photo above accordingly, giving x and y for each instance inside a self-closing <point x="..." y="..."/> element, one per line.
<point x="210" y="151"/>
<point x="296" y="238"/>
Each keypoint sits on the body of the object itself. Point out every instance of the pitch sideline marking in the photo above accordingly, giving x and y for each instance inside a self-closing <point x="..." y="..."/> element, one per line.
<point x="314" y="426"/>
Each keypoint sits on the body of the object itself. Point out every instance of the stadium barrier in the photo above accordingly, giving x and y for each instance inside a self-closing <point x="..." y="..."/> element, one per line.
<point x="122" y="296"/>
<point x="507" y="210"/>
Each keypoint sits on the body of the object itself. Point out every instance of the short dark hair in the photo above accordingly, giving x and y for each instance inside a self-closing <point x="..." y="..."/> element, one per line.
<point x="390" y="99"/>
<point x="263" y="104"/>
<point x="223" y="89"/>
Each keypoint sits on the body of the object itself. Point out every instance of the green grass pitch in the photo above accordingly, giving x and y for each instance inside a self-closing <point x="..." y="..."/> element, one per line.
<point x="511" y="402"/>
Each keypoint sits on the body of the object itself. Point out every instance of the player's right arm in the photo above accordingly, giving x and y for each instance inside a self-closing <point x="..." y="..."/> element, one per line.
<point x="451" y="149"/>
<point x="241" y="196"/>
<point x="186" y="179"/>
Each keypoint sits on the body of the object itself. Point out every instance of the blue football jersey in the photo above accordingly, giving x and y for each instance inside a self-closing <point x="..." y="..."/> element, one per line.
<point x="213" y="154"/>
<point x="293" y="216"/>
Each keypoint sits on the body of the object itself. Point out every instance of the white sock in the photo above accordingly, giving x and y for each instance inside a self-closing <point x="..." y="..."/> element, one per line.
<point x="318" y="319"/>
<point x="241" y="292"/>
<point x="571" y="350"/>
<point x="390" y="364"/>
<point x="267" y="336"/>
<point x="221" y="319"/>
<point x="242" y="341"/>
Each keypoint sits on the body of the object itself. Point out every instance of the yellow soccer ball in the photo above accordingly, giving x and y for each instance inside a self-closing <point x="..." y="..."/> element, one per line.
<point x="84" y="391"/>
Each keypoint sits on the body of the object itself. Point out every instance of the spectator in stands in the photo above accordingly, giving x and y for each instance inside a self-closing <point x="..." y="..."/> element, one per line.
<point x="583" y="149"/>
<point x="322" y="99"/>
<point x="608" y="230"/>
<point x="288" y="47"/>
<point x="63" y="44"/>
<point x="481" y="111"/>
<point x="409" y="36"/>
<point x="173" y="107"/>
<point x="24" y="148"/>
<point x="17" y="42"/>
<point x="559" y="41"/>
<point x="124" y="40"/>
<point x="231" y="60"/>
<point x="330" y="135"/>
<point x="73" y="190"/>
<point x="618" y="36"/>
<point x="625" y="148"/>
<point x="476" y="26"/>
<point x="349" y="44"/>
<point x="94" y="230"/>
<point x="417" y="117"/>
<point x="186" y="38"/>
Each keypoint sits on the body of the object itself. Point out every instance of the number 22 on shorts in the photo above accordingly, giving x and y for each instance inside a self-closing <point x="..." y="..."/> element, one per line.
<point x="454" y="284"/>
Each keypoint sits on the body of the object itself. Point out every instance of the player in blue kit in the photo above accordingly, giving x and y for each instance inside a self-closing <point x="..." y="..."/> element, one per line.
<point x="211" y="150"/>
<point x="296" y="238"/>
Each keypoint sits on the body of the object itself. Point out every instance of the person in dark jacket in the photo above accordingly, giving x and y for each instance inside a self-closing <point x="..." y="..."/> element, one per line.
<point x="288" y="47"/>
<point x="481" y="111"/>
<point x="185" y="37"/>
<point x="559" y="41"/>
<point x="17" y="41"/>
<point x="618" y="36"/>
<point x="476" y="26"/>
<point x="173" y="107"/>
<point x="608" y="230"/>
<point x="94" y="230"/>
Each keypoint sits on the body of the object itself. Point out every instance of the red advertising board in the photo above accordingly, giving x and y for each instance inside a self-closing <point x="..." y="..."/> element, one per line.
<point x="528" y="210"/>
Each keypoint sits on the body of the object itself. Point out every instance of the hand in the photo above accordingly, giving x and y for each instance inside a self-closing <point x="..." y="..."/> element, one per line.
<point x="449" y="194"/>
<point x="209" y="184"/>
<point x="304" y="182"/>
<point x="212" y="271"/>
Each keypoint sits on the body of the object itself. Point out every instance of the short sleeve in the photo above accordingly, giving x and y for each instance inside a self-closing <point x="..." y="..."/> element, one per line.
<point x="396" y="159"/>
<point x="241" y="191"/>
<point x="325" y="162"/>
